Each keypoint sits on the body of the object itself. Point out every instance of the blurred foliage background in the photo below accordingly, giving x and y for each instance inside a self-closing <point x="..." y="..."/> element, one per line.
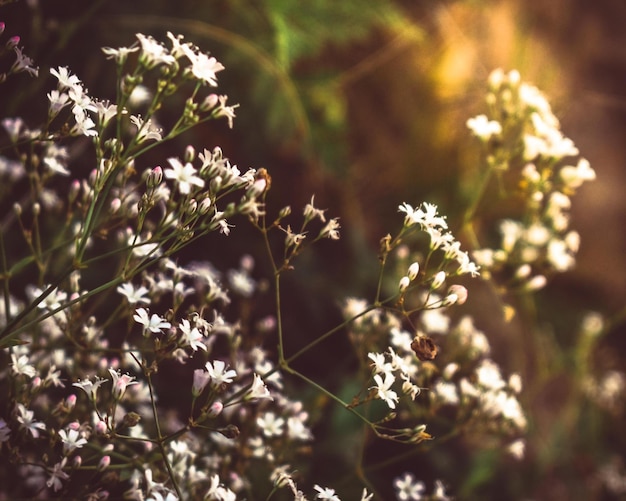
<point x="364" y="103"/>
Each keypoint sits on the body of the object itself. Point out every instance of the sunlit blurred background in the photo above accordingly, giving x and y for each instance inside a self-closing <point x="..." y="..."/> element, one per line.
<point x="364" y="103"/>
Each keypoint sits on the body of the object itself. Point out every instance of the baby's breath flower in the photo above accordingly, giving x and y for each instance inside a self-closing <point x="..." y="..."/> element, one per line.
<point x="310" y="212"/>
<point x="146" y="130"/>
<point x="120" y="383"/>
<point x="484" y="128"/>
<point x="203" y="67"/>
<point x="183" y="175"/>
<point x="154" y="323"/>
<point x="384" y="391"/>
<point x="21" y="365"/>
<point x="408" y="488"/>
<point x="331" y="230"/>
<point x="134" y="295"/>
<point x="90" y="388"/>
<point x="325" y="493"/>
<point x="65" y="78"/>
<point x="153" y="53"/>
<point x="270" y="424"/>
<point x="57" y="475"/>
<point x="120" y="55"/>
<point x="72" y="439"/>
<point x="258" y="390"/>
<point x="218" y="373"/>
<point x="27" y="421"/>
<point x="191" y="336"/>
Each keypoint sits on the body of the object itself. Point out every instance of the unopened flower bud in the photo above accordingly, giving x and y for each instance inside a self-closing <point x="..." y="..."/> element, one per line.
<point x="116" y="203"/>
<point x="414" y="269"/>
<point x="36" y="382"/>
<point x="215" y="409"/>
<point x="404" y="284"/>
<point x="17" y="208"/>
<point x="70" y="401"/>
<point x="190" y="154"/>
<point x="77" y="461"/>
<point x="13" y="42"/>
<point x="204" y="206"/>
<point x="155" y="177"/>
<point x="101" y="427"/>
<point x="231" y="431"/>
<point x="74" y="425"/>
<point x="192" y="207"/>
<point x="284" y="212"/>
<point x="2" y="26"/>
<point x="131" y="419"/>
<point x="216" y="184"/>
<point x="438" y="280"/>
<point x="104" y="463"/>
<point x="74" y="190"/>
<point x="257" y="188"/>
<point x="210" y="102"/>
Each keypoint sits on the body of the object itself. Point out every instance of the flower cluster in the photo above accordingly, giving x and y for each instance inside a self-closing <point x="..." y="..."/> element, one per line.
<point x="525" y="146"/>
<point x="131" y="371"/>
<point x="21" y="62"/>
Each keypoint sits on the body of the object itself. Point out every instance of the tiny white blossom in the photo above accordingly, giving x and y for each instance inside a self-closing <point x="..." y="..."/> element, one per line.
<point x="133" y="295"/>
<point x="270" y="424"/>
<point x="218" y="373"/>
<point x="72" y="439"/>
<point x="183" y="175"/>
<point x="325" y="493"/>
<point x="154" y="323"/>
<point x="384" y="391"/>
<point x="28" y="422"/>
<point x="407" y="488"/>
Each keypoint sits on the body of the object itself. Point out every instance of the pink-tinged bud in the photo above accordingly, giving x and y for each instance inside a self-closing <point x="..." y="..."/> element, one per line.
<point x="104" y="463"/>
<point x="70" y="401"/>
<point x="93" y="175"/>
<point x="155" y="177"/>
<point x="210" y="102"/>
<point x="200" y="380"/>
<point x="77" y="461"/>
<point x="257" y="188"/>
<point x="116" y="203"/>
<point x="12" y="42"/>
<point x="74" y="425"/>
<point x="215" y="409"/>
<point x="101" y="427"/>
<point x="74" y="190"/>
<point x="2" y="26"/>
<point x="36" y="382"/>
